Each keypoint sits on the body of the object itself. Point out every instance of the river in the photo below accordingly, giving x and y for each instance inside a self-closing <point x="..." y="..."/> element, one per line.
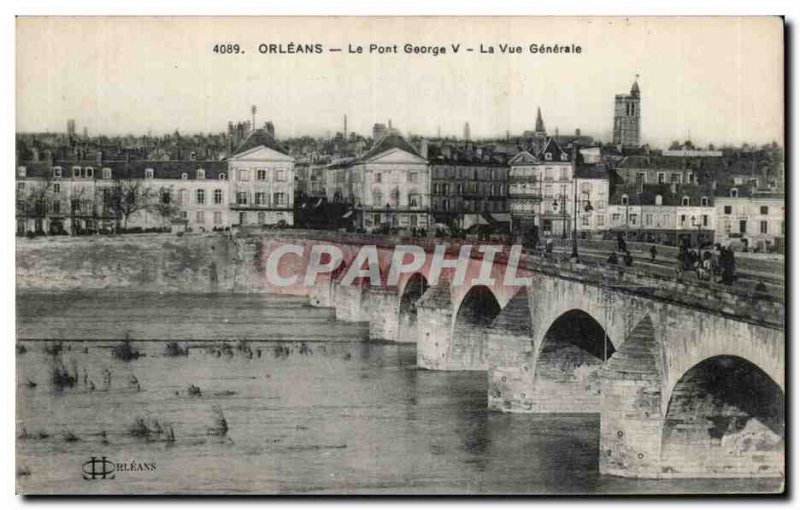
<point x="308" y="407"/>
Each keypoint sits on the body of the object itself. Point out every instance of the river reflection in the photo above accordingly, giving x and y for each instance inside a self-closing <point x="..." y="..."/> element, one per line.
<point x="319" y="417"/>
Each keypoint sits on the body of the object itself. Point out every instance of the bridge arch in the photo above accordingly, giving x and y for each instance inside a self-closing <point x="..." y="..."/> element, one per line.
<point x="725" y="418"/>
<point x="475" y="313"/>
<point x="415" y="287"/>
<point x="573" y="349"/>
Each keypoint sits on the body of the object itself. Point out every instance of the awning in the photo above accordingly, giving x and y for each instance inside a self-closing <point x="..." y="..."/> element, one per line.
<point x="319" y="203"/>
<point x="501" y="217"/>
<point x="348" y="214"/>
<point x="474" y="219"/>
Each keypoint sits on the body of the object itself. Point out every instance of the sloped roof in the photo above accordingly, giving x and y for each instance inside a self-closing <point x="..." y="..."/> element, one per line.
<point x="260" y="138"/>
<point x="121" y="169"/>
<point x="389" y="141"/>
<point x="553" y="148"/>
<point x="592" y="171"/>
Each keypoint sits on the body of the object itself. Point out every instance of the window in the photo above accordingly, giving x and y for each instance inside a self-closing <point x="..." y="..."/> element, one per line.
<point x="548" y="174"/>
<point x="56" y="187"/>
<point x="705" y="220"/>
<point x="280" y="199"/>
<point x="241" y="197"/>
<point x="378" y="177"/>
<point x="616" y="217"/>
<point x="728" y="209"/>
<point x="201" y="196"/>
<point x="280" y="175"/>
<point x="165" y="196"/>
<point x="704" y="201"/>
<point x="260" y="198"/>
<point x="57" y="172"/>
<point x="633" y="219"/>
<point x="673" y="178"/>
<point x="261" y="175"/>
<point x="648" y="219"/>
<point x="201" y="217"/>
<point x="413" y="200"/>
<point x="600" y="220"/>
<point x="217" y="196"/>
<point x="585" y="220"/>
<point x="661" y="177"/>
<point x="106" y="173"/>
<point x="548" y="156"/>
<point x="217" y="218"/>
<point x="201" y="174"/>
<point x="624" y="199"/>
<point x="184" y="215"/>
<point x="89" y="172"/>
<point x="184" y="176"/>
<point x="57" y="208"/>
<point x="181" y="196"/>
<point x="734" y="193"/>
<point x="742" y="226"/>
<point x="659" y="199"/>
<point x="21" y="171"/>
<point x="262" y="218"/>
<point x="20" y="185"/>
<point x="412" y="177"/>
<point x="148" y="173"/>
<point x="564" y="156"/>
<point x="377" y="198"/>
<point x="685" y="200"/>
<point x="244" y="174"/>
<point x="76" y="171"/>
<point x="764" y="210"/>
<point x="683" y="219"/>
<point x="222" y="176"/>
<point x="563" y="174"/>
<point x="764" y="227"/>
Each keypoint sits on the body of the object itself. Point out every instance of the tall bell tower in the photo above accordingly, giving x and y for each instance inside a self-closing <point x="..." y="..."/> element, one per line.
<point x="628" y="117"/>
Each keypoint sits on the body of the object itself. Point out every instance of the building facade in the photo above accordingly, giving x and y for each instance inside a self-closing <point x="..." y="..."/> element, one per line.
<point x="756" y="222"/>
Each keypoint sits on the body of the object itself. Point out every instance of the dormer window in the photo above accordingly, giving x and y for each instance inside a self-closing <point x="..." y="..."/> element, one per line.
<point x="222" y="176"/>
<point x="685" y="200"/>
<point x="148" y="173"/>
<point x="57" y="172"/>
<point x="89" y="172"/>
<point x="76" y="171"/>
<point x="734" y="193"/>
<point x="184" y="176"/>
<point x="201" y="174"/>
<point x="548" y="156"/>
<point x="704" y="201"/>
<point x="624" y="199"/>
<point x="106" y="173"/>
<point x="659" y="200"/>
<point x="564" y="156"/>
<point x="21" y="171"/>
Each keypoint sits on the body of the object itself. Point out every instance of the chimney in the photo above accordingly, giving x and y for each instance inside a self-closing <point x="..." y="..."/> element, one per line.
<point x="423" y="148"/>
<point x="99" y="158"/>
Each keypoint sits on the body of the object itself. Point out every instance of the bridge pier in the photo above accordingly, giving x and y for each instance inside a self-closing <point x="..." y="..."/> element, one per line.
<point x="384" y="306"/>
<point x="435" y="323"/>
<point x="630" y="409"/>
<point x="321" y="294"/>
<point x="350" y="307"/>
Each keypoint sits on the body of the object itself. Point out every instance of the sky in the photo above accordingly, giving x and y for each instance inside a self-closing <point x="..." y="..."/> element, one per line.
<point x="717" y="80"/>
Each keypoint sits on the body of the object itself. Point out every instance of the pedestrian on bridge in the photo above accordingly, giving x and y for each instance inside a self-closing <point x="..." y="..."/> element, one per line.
<point x="653" y="253"/>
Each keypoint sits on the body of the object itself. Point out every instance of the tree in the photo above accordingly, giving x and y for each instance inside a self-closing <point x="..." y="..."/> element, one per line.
<point x="165" y="207"/>
<point x="128" y="196"/>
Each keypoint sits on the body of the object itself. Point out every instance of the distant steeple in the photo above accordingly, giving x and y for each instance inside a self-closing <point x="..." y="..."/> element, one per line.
<point x="539" y="122"/>
<point x="635" y="87"/>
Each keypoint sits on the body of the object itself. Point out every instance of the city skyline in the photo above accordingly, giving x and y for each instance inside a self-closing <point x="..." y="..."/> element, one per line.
<point x="160" y="77"/>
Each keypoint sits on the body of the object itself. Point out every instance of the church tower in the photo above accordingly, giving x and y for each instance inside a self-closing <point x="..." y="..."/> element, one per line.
<point x="628" y="117"/>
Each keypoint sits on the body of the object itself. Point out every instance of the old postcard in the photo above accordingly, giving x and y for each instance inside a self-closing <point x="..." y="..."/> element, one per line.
<point x="400" y="255"/>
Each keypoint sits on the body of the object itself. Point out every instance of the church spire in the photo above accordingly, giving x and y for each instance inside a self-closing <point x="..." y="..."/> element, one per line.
<point x="635" y="87"/>
<point x="539" y="122"/>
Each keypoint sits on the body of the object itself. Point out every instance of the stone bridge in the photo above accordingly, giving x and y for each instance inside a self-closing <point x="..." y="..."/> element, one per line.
<point x="687" y="376"/>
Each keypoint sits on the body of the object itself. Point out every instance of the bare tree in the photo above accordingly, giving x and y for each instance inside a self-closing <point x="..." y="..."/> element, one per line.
<point x="129" y="196"/>
<point x="166" y="207"/>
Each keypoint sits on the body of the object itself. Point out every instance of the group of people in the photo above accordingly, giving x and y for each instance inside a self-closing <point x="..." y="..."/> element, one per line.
<point x="718" y="264"/>
<point x="627" y="258"/>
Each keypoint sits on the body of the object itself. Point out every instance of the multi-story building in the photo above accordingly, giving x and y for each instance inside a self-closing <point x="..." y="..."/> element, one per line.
<point x="541" y="191"/>
<point x="628" y="118"/>
<point x="85" y="196"/>
<point x="389" y="186"/>
<point x="467" y="185"/>
<point x="756" y="221"/>
<point x="261" y="182"/>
